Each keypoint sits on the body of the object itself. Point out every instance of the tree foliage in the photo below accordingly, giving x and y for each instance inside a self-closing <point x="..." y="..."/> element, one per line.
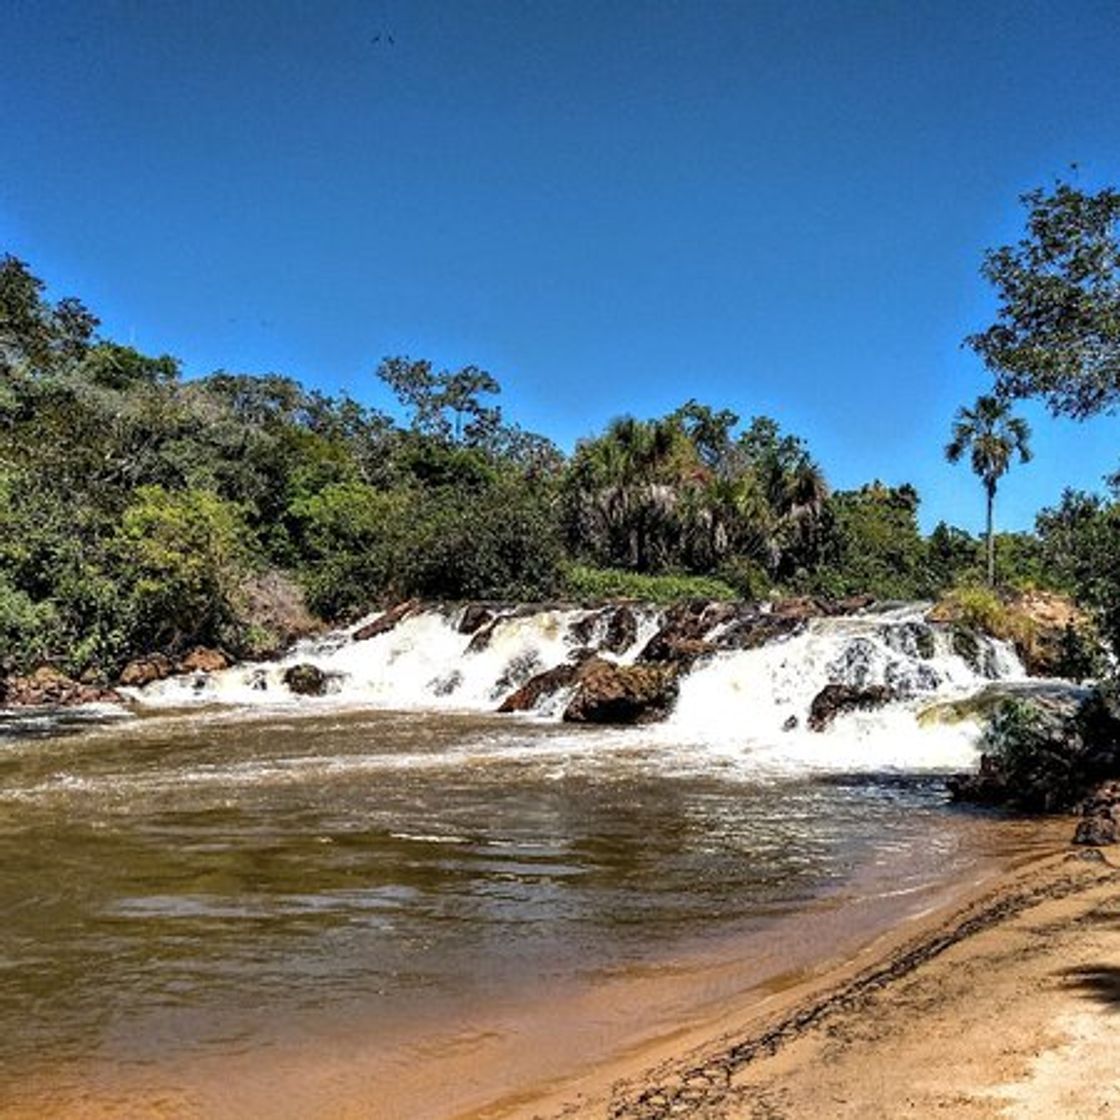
<point x="992" y="437"/>
<point x="1057" y="329"/>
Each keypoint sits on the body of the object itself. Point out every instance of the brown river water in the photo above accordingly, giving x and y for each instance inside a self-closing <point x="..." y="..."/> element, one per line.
<point x="223" y="913"/>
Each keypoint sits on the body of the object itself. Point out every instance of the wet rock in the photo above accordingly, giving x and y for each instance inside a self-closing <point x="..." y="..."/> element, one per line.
<point x="618" y="626"/>
<point x="988" y="786"/>
<point x="475" y="616"/>
<point x="517" y="672"/>
<point x="685" y="625"/>
<point x="851" y="604"/>
<point x="624" y="694"/>
<point x="754" y="630"/>
<point x="583" y="630"/>
<point x="540" y="687"/>
<point x="386" y="621"/>
<point x="446" y="685"/>
<point x="791" y="723"/>
<point x="306" y="680"/>
<point x="835" y="699"/>
<point x="201" y="660"/>
<point x="914" y="639"/>
<point x="622" y="630"/>
<point x="145" y="670"/>
<point x="1095" y="831"/>
<point x="485" y="633"/>
<point x="976" y="654"/>
<point x="258" y="680"/>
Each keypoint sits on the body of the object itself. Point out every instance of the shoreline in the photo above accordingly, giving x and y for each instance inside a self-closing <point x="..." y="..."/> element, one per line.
<point x="889" y="1035"/>
<point x="671" y="1038"/>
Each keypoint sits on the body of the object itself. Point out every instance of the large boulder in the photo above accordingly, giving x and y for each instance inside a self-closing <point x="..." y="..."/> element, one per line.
<point x="755" y="628"/>
<point x="306" y="680"/>
<point x="626" y="694"/>
<point x="386" y="621"/>
<point x="835" y="699"/>
<point x="1096" y="831"/>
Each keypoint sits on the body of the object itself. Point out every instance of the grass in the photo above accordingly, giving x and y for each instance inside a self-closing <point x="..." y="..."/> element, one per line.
<point x="584" y="582"/>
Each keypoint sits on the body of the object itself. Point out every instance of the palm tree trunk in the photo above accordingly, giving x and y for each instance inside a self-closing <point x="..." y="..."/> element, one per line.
<point x="991" y="539"/>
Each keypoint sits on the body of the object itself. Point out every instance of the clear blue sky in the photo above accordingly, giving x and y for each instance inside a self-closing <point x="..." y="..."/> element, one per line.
<point x="775" y="207"/>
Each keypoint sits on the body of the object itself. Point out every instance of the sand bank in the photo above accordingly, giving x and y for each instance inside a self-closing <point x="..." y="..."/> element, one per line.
<point x="1004" y="1007"/>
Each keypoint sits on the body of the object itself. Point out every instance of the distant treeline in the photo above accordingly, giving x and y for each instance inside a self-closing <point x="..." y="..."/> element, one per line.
<point x="140" y="511"/>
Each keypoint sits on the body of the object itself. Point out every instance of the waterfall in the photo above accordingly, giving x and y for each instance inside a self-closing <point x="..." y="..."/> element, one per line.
<point x="732" y="700"/>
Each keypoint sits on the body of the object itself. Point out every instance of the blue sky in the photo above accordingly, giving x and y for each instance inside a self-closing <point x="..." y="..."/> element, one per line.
<point x="775" y="207"/>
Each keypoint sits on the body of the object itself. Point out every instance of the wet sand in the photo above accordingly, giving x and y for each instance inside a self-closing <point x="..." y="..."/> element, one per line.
<point x="1002" y="1007"/>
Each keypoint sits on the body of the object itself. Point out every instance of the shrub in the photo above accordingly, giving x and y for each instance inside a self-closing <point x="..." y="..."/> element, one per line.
<point x="1037" y="752"/>
<point x="583" y="582"/>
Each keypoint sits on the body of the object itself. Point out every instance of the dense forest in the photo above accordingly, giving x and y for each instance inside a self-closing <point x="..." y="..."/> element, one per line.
<point x="144" y="511"/>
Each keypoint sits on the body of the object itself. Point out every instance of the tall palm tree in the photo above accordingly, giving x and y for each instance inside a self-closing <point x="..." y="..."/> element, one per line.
<point x="993" y="436"/>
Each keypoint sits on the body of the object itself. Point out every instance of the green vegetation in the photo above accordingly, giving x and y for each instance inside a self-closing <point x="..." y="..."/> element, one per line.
<point x="141" y="511"/>
<point x="612" y="583"/>
<point x="992" y="436"/>
<point x="1057" y="331"/>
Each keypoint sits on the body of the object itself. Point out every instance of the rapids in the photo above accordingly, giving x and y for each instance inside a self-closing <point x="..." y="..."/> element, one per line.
<point x="737" y="707"/>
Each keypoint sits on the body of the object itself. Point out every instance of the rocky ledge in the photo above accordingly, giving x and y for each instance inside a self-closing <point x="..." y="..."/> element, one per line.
<point x="48" y="687"/>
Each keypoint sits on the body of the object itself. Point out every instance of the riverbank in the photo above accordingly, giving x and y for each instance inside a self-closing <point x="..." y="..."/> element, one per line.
<point x="1000" y="1008"/>
<point x="738" y="1030"/>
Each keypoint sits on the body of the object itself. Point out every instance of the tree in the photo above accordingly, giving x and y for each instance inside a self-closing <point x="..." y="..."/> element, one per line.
<point x="429" y="395"/>
<point x="1057" y="331"/>
<point x="992" y="436"/>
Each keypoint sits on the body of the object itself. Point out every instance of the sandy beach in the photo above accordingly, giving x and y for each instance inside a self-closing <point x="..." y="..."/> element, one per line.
<point x="1003" y="1007"/>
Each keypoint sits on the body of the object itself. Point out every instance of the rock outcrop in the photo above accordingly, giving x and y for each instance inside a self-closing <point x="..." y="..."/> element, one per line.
<point x="540" y="687"/>
<point x="49" y="687"/>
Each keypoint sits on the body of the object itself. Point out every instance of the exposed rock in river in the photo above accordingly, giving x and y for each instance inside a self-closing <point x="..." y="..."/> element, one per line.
<point x="540" y="687"/>
<point x="835" y="699"/>
<point x="610" y="693"/>
<point x="306" y="680"/>
<point x="386" y="621"/>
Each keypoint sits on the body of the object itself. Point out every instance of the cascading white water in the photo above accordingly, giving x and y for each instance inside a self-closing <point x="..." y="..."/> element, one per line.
<point x="735" y="706"/>
<point x="422" y="663"/>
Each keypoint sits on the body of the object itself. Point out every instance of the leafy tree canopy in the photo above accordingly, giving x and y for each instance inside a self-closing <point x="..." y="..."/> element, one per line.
<point x="1057" y="330"/>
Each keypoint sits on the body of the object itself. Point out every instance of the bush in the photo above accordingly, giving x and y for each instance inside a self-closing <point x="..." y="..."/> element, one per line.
<point x="182" y="557"/>
<point x="1037" y="752"/>
<point x="583" y="582"/>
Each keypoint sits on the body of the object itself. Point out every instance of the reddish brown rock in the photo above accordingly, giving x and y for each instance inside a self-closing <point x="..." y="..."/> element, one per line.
<point x="543" y="685"/>
<point x="626" y="694"/>
<point x="145" y="670"/>
<point x="47" y="686"/>
<point x="386" y="621"/>
<point x="684" y="625"/>
<point x="203" y="660"/>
